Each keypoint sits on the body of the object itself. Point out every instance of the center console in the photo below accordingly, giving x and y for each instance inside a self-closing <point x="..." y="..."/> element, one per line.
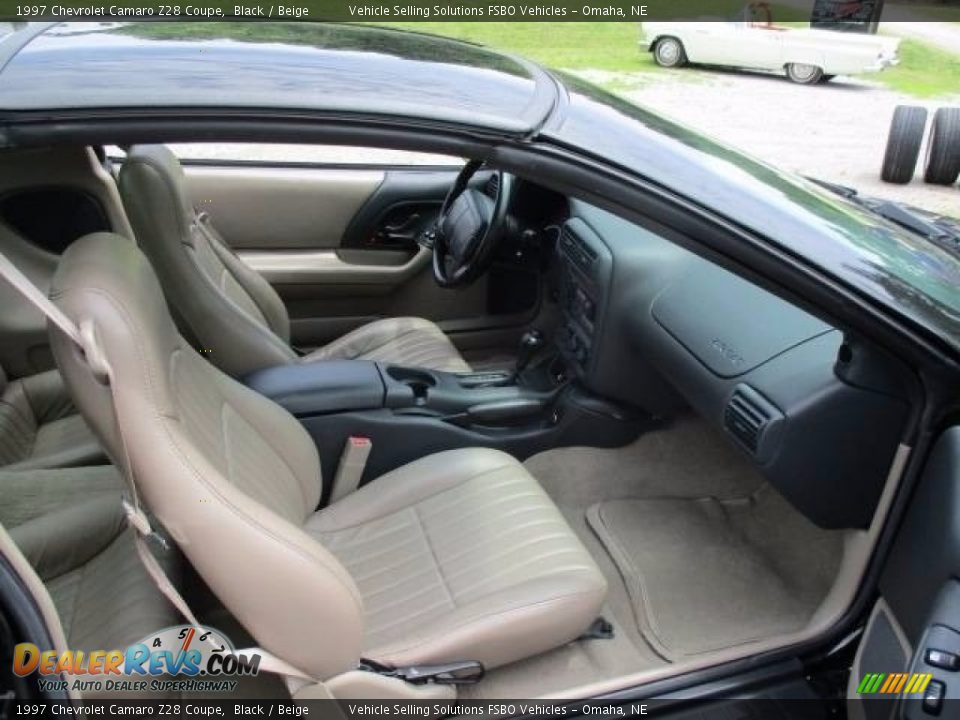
<point x="408" y="413"/>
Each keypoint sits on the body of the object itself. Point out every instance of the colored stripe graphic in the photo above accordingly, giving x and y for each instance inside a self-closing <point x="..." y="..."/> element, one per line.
<point x="890" y="683"/>
<point x="869" y="683"/>
<point x="894" y="683"/>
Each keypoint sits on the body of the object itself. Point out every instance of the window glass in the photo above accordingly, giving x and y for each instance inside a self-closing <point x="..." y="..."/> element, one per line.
<point x="324" y="154"/>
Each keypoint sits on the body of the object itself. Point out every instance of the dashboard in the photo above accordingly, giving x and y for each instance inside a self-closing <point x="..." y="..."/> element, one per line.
<point x="645" y="322"/>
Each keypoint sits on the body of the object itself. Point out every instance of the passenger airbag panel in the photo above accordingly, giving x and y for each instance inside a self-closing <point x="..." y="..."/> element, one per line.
<point x="716" y="316"/>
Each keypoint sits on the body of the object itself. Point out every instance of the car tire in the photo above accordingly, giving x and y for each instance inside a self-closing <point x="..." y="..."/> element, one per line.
<point x="903" y="144"/>
<point x="943" y="147"/>
<point x="804" y="74"/>
<point x="669" y="52"/>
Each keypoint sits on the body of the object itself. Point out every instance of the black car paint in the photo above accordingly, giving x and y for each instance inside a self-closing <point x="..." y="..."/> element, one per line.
<point x="788" y="215"/>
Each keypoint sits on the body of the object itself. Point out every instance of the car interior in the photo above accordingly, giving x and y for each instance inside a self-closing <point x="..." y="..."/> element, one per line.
<point x="410" y="419"/>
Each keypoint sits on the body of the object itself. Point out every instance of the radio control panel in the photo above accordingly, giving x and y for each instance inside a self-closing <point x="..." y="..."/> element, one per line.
<point x="579" y="295"/>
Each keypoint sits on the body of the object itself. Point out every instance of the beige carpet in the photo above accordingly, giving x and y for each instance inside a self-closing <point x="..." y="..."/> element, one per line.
<point x="705" y="575"/>
<point x="683" y="461"/>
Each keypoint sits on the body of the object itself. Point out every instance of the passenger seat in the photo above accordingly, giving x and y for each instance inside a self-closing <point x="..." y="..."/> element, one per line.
<point x="39" y="426"/>
<point x="458" y="556"/>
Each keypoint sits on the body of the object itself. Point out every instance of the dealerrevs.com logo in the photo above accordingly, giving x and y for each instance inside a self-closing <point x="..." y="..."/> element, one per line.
<point x="179" y="658"/>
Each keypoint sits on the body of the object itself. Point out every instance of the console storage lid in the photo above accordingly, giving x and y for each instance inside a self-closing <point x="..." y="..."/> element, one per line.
<point x="318" y="388"/>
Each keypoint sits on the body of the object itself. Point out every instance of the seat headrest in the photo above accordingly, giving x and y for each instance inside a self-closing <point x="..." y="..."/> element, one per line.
<point x="156" y="163"/>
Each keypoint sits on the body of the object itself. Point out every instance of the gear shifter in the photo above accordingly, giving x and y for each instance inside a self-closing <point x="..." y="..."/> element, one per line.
<point x="530" y="344"/>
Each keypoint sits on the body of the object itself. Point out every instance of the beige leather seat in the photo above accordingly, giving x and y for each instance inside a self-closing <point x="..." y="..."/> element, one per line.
<point x="227" y="306"/>
<point x="70" y="526"/>
<point x="40" y="428"/>
<point x="457" y="556"/>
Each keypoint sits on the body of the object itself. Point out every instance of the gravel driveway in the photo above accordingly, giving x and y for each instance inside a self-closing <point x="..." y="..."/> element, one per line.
<point x="836" y="131"/>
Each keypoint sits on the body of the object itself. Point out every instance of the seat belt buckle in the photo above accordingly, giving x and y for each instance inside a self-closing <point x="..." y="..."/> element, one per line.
<point x="462" y="672"/>
<point x="139" y="521"/>
<point x="353" y="461"/>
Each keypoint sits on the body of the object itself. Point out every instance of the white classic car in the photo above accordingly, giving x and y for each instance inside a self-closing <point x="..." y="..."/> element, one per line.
<point x="806" y="55"/>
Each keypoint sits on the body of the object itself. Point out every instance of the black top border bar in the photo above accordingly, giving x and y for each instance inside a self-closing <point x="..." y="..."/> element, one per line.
<point x="837" y="14"/>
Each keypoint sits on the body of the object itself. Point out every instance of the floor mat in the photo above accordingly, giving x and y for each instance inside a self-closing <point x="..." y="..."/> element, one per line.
<point x="696" y="576"/>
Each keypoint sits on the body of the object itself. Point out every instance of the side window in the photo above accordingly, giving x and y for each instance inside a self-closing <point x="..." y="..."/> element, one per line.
<point x="308" y="154"/>
<point x="52" y="217"/>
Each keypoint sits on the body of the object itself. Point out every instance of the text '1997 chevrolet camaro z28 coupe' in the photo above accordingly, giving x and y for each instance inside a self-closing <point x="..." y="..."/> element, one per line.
<point x="444" y="376"/>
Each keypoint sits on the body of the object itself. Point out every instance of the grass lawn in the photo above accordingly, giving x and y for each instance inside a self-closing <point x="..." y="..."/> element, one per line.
<point x="942" y="13"/>
<point x="565" y="45"/>
<point x="924" y="71"/>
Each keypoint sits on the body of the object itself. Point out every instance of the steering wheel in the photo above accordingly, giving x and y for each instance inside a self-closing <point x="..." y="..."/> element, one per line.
<point x="468" y="228"/>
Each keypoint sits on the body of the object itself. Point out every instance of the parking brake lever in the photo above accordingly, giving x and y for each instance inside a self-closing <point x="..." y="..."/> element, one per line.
<point x="501" y="412"/>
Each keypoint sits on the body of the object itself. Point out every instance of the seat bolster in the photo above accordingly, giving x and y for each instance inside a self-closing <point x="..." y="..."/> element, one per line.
<point x="408" y="485"/>
<point x="46" y="395"/>
<point x="61" y="541"/>
<point x="260" y="291"/>
<point x="41" y="427"/>
<point x="65" y="443"/>
<point x="517" y="623"/>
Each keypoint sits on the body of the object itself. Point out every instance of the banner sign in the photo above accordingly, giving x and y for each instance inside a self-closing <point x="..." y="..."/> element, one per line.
<point x="821" y="12"/>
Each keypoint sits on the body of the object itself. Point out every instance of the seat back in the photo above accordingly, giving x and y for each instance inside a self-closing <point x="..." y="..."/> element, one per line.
<point x="233" y="313"/>
<point x="231" y="475"/>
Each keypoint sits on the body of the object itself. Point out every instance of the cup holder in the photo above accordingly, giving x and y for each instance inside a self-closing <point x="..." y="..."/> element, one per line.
<point x="419" y="381"/>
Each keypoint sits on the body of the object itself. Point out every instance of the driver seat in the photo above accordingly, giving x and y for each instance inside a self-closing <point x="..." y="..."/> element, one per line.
<point x="233" y="314"/>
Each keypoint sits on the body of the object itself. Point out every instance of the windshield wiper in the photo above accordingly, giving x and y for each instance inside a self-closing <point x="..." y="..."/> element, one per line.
<point x="940" y="230"/>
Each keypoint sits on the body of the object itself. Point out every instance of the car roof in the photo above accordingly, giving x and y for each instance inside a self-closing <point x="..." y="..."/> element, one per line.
<point x="308" y="66"/>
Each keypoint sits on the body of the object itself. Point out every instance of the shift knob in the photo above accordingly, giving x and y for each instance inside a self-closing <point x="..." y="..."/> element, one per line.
<point x="530" y="342"/>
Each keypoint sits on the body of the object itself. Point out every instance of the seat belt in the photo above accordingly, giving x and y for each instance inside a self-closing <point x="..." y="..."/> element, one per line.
<point x="85" y="339"/>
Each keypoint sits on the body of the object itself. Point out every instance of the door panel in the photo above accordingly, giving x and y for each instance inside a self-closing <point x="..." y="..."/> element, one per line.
<point x="339" y="246"/>
<point x="920" y="596"/>
<point x="280" y="207"/>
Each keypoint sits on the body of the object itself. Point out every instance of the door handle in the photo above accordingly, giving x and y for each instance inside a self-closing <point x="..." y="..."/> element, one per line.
<point x="406" y="224"/>
<point x="401" y="232"/>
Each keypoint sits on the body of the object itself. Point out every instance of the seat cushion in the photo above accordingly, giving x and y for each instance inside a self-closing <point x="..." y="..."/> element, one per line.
<point x="40" y="428"/>
<point x="410" y="341"/>
<point x="461" y="556"/>
<point x="70" y="526"/>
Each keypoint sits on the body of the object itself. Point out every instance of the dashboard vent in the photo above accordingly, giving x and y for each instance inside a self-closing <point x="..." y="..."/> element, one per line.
<point x="492" y="188"/>
<point x="749" y="417"/>
<point x="579" y="253"/>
